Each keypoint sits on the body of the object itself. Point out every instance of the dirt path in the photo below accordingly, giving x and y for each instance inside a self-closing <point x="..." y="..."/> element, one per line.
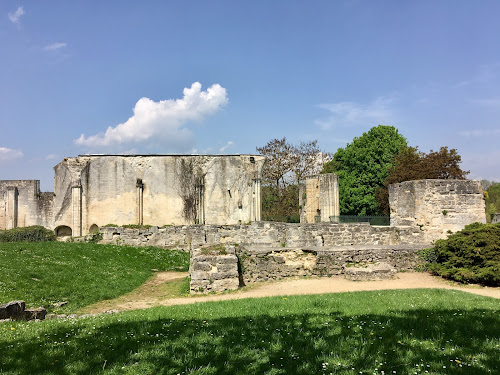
<point x="161" y="290"/>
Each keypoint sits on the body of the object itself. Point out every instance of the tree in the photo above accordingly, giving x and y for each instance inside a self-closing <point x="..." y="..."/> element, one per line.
<point x="286" y="166"/>
<point x="411" y="164"/>
<point x="492" y="200"/>
<point x="362" y="167"/>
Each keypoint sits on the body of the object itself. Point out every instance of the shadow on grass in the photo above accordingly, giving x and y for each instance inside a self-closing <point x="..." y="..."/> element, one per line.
<point x="408" y="342"/>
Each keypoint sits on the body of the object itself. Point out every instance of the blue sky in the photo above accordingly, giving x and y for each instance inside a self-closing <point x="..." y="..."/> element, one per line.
<point x="228" y="76"/>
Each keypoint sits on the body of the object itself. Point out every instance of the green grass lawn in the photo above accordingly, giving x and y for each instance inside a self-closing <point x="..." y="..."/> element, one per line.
<point x="80" y="273"/>
<point x="381" y="332"/>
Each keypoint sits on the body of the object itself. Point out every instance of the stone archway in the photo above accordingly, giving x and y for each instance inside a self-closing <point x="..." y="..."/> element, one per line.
<point x="63" y="231"/>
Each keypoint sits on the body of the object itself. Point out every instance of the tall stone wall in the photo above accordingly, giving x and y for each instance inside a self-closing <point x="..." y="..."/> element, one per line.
<point x="263" y="235"/>
<point x="22" y="204"/>
<point x="436" y="206"/>
<point x="95" y="190"/>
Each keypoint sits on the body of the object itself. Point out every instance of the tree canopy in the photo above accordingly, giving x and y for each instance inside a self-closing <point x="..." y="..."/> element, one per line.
<point x="411" y="164"/>
<point x="286" y="165"/>
<point x="363" y="166"/>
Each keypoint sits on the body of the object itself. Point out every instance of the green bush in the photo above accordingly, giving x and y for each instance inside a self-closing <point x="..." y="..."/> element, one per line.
<point x="469" y="256"/>
<point x="34" y="233"/>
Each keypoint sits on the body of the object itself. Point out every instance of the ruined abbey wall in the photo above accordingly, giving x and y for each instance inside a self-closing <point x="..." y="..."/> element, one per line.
<point x="22" y="204"/>
<point x="437" y="206"/>
<point x="91" y="191"/>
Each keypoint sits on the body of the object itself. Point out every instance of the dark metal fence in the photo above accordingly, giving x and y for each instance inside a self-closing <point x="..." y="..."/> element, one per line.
<point x="373" y="220"/>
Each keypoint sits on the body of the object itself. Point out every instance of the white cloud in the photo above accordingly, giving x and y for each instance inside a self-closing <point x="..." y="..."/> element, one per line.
<point x="493" y="103"/>
<point x="479" y="132"/>
<point x="223" y="148"/>
<point x="164" y="119"/>
<point x="14" y="17"/>
<point x="352" y="114"/>
<point x="9" y="154"/>
<point x="484" y="74"/>
<point x="55" y="46"/>
<point x="51" y="156"/>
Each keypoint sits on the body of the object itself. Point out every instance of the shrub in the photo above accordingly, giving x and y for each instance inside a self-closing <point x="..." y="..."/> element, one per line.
<point x="34" y="233"/>
<point x="469" y="256"/>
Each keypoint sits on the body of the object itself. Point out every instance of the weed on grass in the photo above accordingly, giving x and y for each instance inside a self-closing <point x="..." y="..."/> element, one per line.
<point x="382" y="332"/>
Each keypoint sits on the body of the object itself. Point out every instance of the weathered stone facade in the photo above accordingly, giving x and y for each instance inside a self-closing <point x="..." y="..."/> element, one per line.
<point x="496" y="219"/>
<point x="91" y="191"/>
<point x="263" y="235"/>
<point x="276" y="263"/>
<point x="213" y="269"/>
<point x="437" y="206"/>
<point x="319" y="198"/>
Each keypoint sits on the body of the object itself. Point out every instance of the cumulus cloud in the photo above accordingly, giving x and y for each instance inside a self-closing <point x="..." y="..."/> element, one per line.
<point x="15" y="17"/>
<point x="352" y="114"/>
<point x="223" y="148"/>
<point x="9" y="154"/>
<point x="163" y="119"/>
<point x="55" y="46"/>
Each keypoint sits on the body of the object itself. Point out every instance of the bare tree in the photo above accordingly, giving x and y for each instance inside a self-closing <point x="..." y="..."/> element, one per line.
<point x="286" y="166"/>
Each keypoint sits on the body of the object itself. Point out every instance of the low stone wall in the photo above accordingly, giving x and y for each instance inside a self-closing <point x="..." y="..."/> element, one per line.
<point x="218" y="268"/>
<point x="263" y="235"/>
<point x="275" y="263"/>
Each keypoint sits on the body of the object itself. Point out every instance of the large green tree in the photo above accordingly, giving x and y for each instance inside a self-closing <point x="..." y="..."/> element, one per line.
<point x="411" y="164"/>
<point x="362" y="167"/>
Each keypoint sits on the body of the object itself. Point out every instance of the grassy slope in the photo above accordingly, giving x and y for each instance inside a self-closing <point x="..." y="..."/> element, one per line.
<point x="382" y="332"/>
<point x="81" y="273"/>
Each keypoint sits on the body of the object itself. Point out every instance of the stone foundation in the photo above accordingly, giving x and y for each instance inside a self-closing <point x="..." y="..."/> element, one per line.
<point x="220" y="268"/>
<point x="276" y="263"/>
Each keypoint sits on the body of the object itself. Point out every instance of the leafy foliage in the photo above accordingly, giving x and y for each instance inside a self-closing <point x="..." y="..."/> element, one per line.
<point x="34" y="233"/>
<point x="286" y="165"/>
<point x="411" y="164"/>
<point x="469" y="256"/>
<point x="492" y="200"/>
<point x="362" y="167"/>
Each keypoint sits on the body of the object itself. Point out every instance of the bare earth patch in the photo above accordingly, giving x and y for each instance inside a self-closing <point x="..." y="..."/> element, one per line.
<point x="162" y="290"/>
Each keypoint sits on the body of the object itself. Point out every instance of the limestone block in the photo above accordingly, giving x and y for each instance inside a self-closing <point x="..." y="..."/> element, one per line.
<point x="32" y="314"/>
<point x="13" y="309"/>
<point x="380" y="271"/>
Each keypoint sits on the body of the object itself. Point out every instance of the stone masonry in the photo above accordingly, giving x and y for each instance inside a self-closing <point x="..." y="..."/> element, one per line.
<point x="437" y="206"/>
<point x="214" y="269"/>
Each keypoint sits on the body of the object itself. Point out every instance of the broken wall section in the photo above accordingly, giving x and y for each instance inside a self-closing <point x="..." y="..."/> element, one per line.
<point x="436" y="206"/>
<point x="319" y="198"/>
<point x="22" y="204"/>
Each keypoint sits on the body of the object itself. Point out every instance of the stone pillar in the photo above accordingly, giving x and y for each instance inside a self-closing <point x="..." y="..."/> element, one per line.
<point x="256" y="200"/>
<point x="11" y="207"/>
<point x="201" y="202"/>
<point x="329" y="203"/>
<point x="76" y="207"/>
<point x="140" y="201"/>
